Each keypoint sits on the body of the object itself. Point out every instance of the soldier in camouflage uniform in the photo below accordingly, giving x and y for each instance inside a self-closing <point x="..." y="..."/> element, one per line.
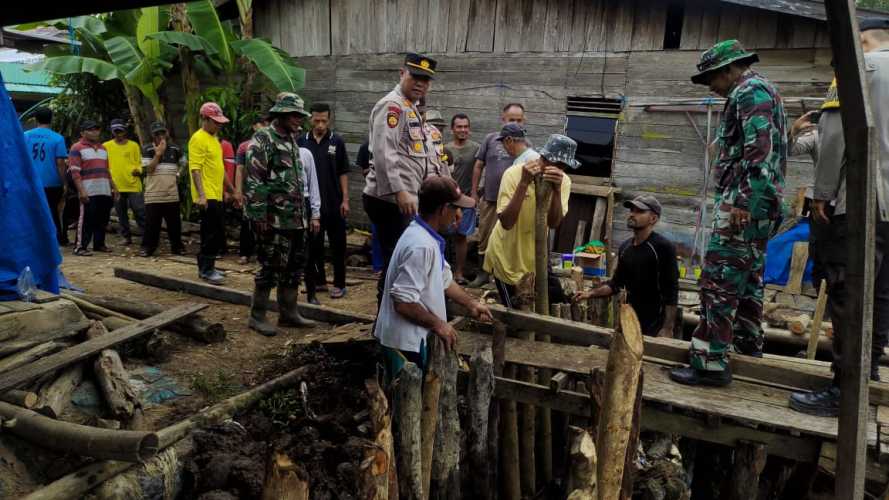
<point x="749" y="173"/>
<point x="275" y="202"/>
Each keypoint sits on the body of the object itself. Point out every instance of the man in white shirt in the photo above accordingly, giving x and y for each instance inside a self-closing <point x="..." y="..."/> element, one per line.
<point x="419" y="279"/>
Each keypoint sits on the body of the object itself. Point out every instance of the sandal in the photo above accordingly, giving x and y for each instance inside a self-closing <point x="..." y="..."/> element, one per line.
<point x="82" y="252"/>
<point x="337" y="293"/>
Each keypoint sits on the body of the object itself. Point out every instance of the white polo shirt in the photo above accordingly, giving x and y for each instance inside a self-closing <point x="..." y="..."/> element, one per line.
<point x="417" y="274"/>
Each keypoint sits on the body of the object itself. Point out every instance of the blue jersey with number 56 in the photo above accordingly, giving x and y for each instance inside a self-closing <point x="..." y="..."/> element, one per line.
<point x="44" y="147"/>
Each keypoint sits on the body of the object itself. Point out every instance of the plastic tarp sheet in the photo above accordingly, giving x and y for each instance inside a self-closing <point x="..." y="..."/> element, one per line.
<point x="779" y="252"/>
<point x="27" y="233"/>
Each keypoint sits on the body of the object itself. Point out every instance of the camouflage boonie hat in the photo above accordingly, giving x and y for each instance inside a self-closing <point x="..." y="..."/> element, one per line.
<point x="288" y="102"/>
<point x="719" y="56"/>
<point x="560" y="149"/>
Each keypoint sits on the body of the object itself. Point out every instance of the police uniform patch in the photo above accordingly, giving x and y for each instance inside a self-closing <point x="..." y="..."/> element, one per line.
<point x="411" y="114"/>
<point x="436" y="135"/>
<point x="392" y="116"/>
<point x="418" y="146"/>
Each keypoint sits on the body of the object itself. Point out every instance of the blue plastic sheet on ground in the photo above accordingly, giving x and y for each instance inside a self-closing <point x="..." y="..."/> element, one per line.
<point x="779" y="252"/>
<point x="28" y="233"/>
<point x="151" y="384"/>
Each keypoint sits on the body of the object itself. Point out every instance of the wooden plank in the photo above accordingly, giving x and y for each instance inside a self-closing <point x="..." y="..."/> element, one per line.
<point x="86" y="349"/>
<point x="803" y="449"/>
<point x="458" y="25"/>
<point x="593" y="190"/>
<point x="797" y="267"/>
<point x="482" y="20"/>
<point x="730" y="21"/>
<point x="597" y="31"/>
<point x="761" y="32"/>
<point x="861" y="157"/>
<point x="620" y="24"/>
<point x="803" y="33"/>
<point x="815" y="330"/>
<point x="231" y="295"/>
<point x="580" y="237"/>
<point x="777" y="370"/>
<point x="691" y="25"/>
<point x="712" y="12"/>
<point x="599" y="214"/>
<point x="649" y="25"/>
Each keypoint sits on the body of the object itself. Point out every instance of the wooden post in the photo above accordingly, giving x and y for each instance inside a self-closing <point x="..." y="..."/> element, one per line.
<point x="114" y="382"/>
<point x="815" y="330"/>
<point x="509" y="419"/>
<point x="481" y="390"/>
<point x="582" y="477"/>
<point x="379" y="461"/>
<point x="544" y="193"/>
<point x="408" y="448"/>
<point x="283" y="481"/>
<point x="626" y="492"/>
<point x="445" y="482"/>
<point x="429" y="417"/>
<point x="616" y="419"/>
<point x="797" y="267"/>
<point x="861" y="167"/>
<point x="750" y="459"/>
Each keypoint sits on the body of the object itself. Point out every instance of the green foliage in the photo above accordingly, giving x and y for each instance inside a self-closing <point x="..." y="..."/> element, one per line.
<point x="85" y="97"/>
<point x="206" y="24"/>
<point x="282" y="406"/>
<point x="874" y="4"/>
<point x="214" y="387"/>
<point x="190" y="41"/>
<point x="272" y="62"/>
<point x="66" y="65"/>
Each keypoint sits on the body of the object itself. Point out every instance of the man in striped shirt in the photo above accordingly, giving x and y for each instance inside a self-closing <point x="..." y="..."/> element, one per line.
<point x="88" y="165"/>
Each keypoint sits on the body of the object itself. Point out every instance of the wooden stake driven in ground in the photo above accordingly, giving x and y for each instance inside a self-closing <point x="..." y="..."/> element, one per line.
<point x="445" y="482"/>
<point x="408" y="407"/>
<point x="582" y="472"/>
<point x="618" y="400"/>
<point x="378" y="464"/>
<point x="283" y="481"/>
<point x="543" y="192"/>
<point x="114" y="382"/>
<point x="429" y="416"/>
<point x="815" y="330"/>
<point x="479" y="396"/>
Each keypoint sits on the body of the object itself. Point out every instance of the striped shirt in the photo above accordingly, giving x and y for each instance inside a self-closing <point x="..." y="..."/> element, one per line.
<point x="89" y="163"/>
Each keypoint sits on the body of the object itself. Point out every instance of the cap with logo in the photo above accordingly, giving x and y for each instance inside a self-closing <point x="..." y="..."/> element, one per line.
<point x="118" y="124"/>
<point x="158" y="127"/>
<point x="644" y="202"/>
<point x="873" y="23"/>
<point x="288" y="102"/>
<point x="720" y="55"/>
<point x="212" y="111"/>
<point x="88" y="125"/>
<point x="419" y="65"/>
<point x="560" y="149"/>
<point x="442" y="190"/>
<point x="513" y="130"/>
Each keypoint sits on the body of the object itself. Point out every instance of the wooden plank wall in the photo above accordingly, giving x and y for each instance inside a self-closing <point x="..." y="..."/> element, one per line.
<point x="538" y="52"/>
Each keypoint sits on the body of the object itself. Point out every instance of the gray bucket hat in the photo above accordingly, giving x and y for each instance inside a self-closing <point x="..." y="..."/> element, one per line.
<point x="560" y="149"/>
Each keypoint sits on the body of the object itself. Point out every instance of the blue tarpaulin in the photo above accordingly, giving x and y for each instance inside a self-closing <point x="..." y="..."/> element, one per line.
<point x="27" y="233"/>
<point x="780" y="251"/>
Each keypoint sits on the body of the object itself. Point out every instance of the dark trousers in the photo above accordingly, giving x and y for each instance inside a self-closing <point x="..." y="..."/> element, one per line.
<point x="125" y="203"/>
<point x="389" y="224"/>
<point x="155" y="213"/>
<point x="70" y="214"/>
<point x="281" y="255"/>
<point x="212" y="235"/>
<point x="53" y="199"/>
<point x="835" y="255"/>
<point x="507" y="292"/>
<point x="94" y="217"/>
<point x="334" y="226"/>
<point x="247" y="244"/>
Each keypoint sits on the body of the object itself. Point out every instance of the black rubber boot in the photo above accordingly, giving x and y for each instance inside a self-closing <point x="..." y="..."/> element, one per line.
<point x="258" y="310"/>
<point x="823" y="403"/>
<point x="288" y="312"/>
<point x="692" y="376"/>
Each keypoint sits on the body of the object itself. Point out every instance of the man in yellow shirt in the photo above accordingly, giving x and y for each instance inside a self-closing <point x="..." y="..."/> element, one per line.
<point x="207" y="185"/>
<point x="125" y="164"/>
<point x="510" y="254"/>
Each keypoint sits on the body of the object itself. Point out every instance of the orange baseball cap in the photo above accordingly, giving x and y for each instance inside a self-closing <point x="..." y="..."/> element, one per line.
<point x="212" y="111"/>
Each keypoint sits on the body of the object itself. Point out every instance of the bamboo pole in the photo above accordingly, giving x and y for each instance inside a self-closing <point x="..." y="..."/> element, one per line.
<point x="616" y="420"/>
<point x="815" y="330"/>
<point x="543" y="192"/>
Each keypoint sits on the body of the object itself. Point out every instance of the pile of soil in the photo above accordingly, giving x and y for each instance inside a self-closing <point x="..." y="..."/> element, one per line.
<point x="322" y="424"/>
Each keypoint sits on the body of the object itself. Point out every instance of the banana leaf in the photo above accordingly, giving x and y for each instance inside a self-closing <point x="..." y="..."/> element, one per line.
<point x="206" y="24"/>
<point x="191" y="41"/>
<point x="124" y="53"/>
<point x="272" y="62"/>
<point x="152" y="20"/>
<point x="122" y="22"/>
<point x="65" y="65"/>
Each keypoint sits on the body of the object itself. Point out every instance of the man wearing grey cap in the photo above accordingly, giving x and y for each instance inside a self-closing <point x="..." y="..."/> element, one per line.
<point x="511" y="253"/>
<point x="646" y="268"/>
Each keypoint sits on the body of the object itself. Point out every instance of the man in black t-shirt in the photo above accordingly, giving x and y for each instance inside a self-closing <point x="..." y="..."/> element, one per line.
<point x="647" y="269"/>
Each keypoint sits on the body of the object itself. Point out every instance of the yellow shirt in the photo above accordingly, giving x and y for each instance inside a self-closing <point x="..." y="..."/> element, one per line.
<point x="205" y="155"/>
<point x="122" y="160"/>
<point x="510" y="253"/>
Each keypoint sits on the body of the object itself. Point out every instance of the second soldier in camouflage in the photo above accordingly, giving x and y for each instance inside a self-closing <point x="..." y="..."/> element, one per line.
<point x="275" y="202"/>
<point x="749" y="178"/>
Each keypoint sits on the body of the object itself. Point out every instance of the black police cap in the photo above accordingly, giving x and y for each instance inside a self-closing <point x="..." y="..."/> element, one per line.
<point x="419" y="65"/>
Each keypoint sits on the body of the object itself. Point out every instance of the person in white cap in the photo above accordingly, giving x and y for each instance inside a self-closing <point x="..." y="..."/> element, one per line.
<point x="207" y="186"/>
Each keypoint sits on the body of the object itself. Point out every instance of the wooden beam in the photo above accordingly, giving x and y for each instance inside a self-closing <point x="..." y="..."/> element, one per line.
<point x="815" y="330"/>
<point x="770" y="369"/>
<point x="802" y="449"/>
<point x="89" y="348"/>
<point x="797" y="267"/>
<point x="861" y="154"/>
<point x="234" y="296"/>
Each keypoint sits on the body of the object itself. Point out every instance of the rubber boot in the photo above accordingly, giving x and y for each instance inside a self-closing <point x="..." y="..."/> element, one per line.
<point x="288" y="312"/>
<point x="258" y="309"/>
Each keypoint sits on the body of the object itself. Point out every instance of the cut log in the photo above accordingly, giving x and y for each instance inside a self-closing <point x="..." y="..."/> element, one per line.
<point x="114" y="382"/>
<point x="194" y="326"/>
<point x="408" y="447"/>
<point x="629" y="479"/>
<point x="155" y="346"/>
<point x="283" y="481"/>
<point x="815" y="331"/>
<point x="582" y="475"/>
<point x="65" y="437"/>
<point x="509" y="435"/>
<point x="76" y="484"/>
<point x="750" y="458"/>
<point x="377" y="467"/>
<point x="33" y="354"/>
<point x="495" y="425"/>
<point x="797" y="267"/>
<point x="25" y="399"/>
<point x="616" y="421"/>
<point x="55" y="396"/>
<point x="799" y="324"/>
<point x="429" y="417"/>
<point x="445" y="482"/>
<point x="24" y="325"/>
<point x="79" y="352"/>
<point x="481" y="390"/>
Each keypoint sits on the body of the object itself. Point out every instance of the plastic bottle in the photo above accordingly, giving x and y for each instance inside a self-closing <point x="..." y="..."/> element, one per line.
<point x="25" y="285"/>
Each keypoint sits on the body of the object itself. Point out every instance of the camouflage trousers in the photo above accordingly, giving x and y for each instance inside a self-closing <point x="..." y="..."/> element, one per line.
<point x="281" y="255"/>
<point x="731" y="292"/>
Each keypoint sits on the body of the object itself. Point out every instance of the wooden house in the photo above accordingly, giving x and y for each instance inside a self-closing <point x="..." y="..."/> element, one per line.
<point x="613" y="74"/>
